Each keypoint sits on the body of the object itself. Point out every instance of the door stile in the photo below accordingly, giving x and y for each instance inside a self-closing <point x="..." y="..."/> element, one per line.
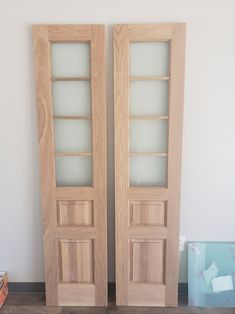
<point x="100" y="161"/>
<point x="177" y="64"/>
<point x="46" y="148"/>
<point x="121" y="74"/>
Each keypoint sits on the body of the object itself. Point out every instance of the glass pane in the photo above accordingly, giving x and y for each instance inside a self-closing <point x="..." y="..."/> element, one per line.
<point x="149" y="59"/>
<point x="148" y="98"/>
<point x="147" y="171"/>
<point x="70" y="59"/>
<point x="211" y="276"/>
<point x="73" y="171"/>
<point x="72" y="135"/>
<point x="71" y="98"/>
<point x="148" y="136"/>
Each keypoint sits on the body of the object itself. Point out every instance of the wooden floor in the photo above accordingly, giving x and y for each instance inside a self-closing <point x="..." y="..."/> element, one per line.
<point x="35" y="304"/>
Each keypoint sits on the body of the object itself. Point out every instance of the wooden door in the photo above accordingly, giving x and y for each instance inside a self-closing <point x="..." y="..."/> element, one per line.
<point x="70" y="87"/>
<point x="148" y="94"/>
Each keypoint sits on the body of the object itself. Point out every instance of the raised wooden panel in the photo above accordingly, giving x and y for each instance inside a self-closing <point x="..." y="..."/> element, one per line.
<point x="76" y="260"/>
<point x="75" y="213"/>
<point x="147" y="213"/>
<point x="146" y="262"/>
<point x="146" y="294"/>
<point x="76" y="294"/>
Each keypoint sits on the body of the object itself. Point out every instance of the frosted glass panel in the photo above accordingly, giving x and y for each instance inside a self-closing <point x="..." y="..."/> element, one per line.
<point x="149" y="59"/>
<point x="72" y="135"/>
<point x="71" y="98"/>
<point x="73" y="171"/>
<point x="148" y="98"/>
<point x="70" y="59"/>
<point x="147" y="171"/>
<point x="211" y="276"/>
<point x="148" y="136"/>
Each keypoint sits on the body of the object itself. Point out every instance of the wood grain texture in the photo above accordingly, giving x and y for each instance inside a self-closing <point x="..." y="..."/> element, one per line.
<point x="146" y="294"/>
<point x="147" y="213"/>
<point x="149" y="78"/>
<point x="149" y="117"/>
<point x="176" y="98"/>
<point x="76" y="294"/>
<point x="75" y="213"/>
<point x="45" y="131"/>
<point x="80" y="78"/>
<point x="147" y="240"/>
<point x="98" y="88"/>
<point x="73" y="117"/>
<point x="73" y="233"/>
<point x="121" y="112"/>
<point x="147" y="232"/>
<point x="74" y="193"/>
<point x="148" y="154"/>
<point x="144" y="256"/>
<point x="71" y="32"/>
<point x="148" y="193"/>
<point x="75" y="222"/>
<point x="76" y="262"/>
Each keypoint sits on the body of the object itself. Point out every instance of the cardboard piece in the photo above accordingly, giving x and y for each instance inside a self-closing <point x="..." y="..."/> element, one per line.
<point x="3" y="287"/>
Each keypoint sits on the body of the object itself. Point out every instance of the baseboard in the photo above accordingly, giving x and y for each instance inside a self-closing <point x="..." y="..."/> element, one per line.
<point x="26" y="287"/>
<point x="39" y="287"/>
<point x="183" y="288"/>
<point x="111" y="288"/>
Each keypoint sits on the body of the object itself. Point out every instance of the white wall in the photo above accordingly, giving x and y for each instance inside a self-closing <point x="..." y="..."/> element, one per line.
<point x="208" y="171"/>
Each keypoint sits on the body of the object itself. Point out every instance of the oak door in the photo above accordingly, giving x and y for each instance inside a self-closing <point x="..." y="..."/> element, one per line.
<point x="70" y="87"/>
<point x="148" y="94"/>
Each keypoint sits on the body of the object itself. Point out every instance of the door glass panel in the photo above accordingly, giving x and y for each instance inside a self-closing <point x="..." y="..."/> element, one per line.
<point x="148" y="98"/>
<point x="149" y="59"/>
<point x="147" y="171"/>
<point x="71" y="98"/>
<point x="70" y="59"/>
<point x="72" y="135"/>
<point x="73" y="171"/>
<point x="148" y="136"/>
